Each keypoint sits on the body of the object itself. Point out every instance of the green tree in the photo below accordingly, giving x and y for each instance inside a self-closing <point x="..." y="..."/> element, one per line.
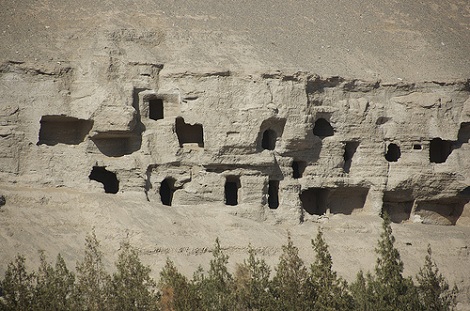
<point x="54" y="286"/>
<point x="217" y="288"/>
<point x="91" y="290"/>
<point x="328" y="291"/>
<point x="17" y="286"/>
<point x="362" y="292"/>
<point x="252" y="284"/>
<point x="433" y="289"/>
<point x="391" y="291"/>
<point x="132" y="288"/>
<point x="289" y="283"/>
<point x="176" y="293"/>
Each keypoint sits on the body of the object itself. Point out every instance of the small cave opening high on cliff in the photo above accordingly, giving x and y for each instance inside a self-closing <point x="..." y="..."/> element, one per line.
<point x="268" y="141"/>
<point x="439" y="150"/>
<point x="189" y="134"/>
<point x="393" y="153"/>
<point x="156" y="111"/>
<point x="107" y="178"/>
<point x="349" y="150"/>
<point x="298" y="168"/>
<point x="273" y="194"/>
<point x="232" y="184"/>
<point x="463" y="136"/>
<point x="167" y="188"/>
<point x="59" y="129"/>
<point x="323" y="128"/>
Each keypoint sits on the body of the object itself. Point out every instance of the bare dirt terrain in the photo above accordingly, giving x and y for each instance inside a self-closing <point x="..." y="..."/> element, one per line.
<point x="94" y="60"/>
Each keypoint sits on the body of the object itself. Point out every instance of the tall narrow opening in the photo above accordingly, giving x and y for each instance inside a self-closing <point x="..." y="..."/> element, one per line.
<point x="269" y="140"/>
<point x="273" y="194"/>
<point x="107" y="178"/>
<point x="323" y="128"/>
<point x="189" y="134"/>
<point x="463" y="135"/>
<point x="349" y="151"/>
<point x="439" y="150"/>
<point x="393" y="153"/>
<point x="232" y="184"/>
<point x="314" y="200"/>
<point x="156" y="109"/>
<point x="167" y="188"/>
<point x="298" y="168"/>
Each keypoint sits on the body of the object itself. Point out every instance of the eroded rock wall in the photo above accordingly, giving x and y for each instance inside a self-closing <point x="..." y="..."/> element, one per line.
<point x="293" y="144"/>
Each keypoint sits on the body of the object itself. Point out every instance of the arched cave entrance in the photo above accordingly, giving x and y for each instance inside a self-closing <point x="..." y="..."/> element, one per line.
<point x="273" y="194"/>
<point x="298" y="168"/>
<point x="232" y="184"/>
<point x="323" y="128"/>
<point x="393" y="153"/>
<point x="189" y="134"/>
<point x="107" y="178"/>
<point x="439" y="150"/>
<point x="167" y="188"/>
<point x="269" y="139"/>
<point x="314" y="200"/>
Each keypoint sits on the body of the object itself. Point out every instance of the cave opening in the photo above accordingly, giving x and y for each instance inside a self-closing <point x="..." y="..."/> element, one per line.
<point x="323" y="128"/>
<point x="273" y="194"/>
<point x="393" y="153"/>
<point x="107" y="178"/>
<point x="298" y="168"/>
<point x="314" y="200"/>
<point x="156" y="111"/>
<point x="232" y="184"/>
<point x="439" y="150"/>
<point x="349" y="150"/>
<point x="167" y="188"/>
<point x="59" y="129"/>
<point x="189" y="134"/>
<point x="268" y="141"/>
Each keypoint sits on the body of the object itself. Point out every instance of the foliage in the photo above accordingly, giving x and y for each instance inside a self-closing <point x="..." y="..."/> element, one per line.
<point x="289" y="282"/>
<point x="91" y="290"/>
<point x="176" y="291"/>
<point x="17" y="286"/>
<point x="132" y="288"/>
<point x="433" y="290"/>
<point x="328" y="290"/>
<point x="252" y="284"/>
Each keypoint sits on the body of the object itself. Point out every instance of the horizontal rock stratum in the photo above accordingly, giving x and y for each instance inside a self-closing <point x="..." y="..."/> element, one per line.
<point x="171" y="124"/>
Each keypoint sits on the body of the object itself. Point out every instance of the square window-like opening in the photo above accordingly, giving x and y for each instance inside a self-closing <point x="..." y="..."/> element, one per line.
<point x="417" y="147"/>
<point x="156" y="109"/>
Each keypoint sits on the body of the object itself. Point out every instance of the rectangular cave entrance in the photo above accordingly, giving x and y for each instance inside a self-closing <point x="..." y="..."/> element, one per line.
<point x="156" y="111"/>
<point x="232" y="184"/>
<point x="273" y="194"/>
<point x="59" y="129"/>
<point x="189" y="134"/>
<point x="398" y="204"/>
<point x="439" y="150"/>
<point x="440" y="212"/>
<point x="342" y="200"/>
<point x="298" y="168"/>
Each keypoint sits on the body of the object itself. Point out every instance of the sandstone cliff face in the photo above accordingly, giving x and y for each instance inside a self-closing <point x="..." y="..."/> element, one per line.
<point x="296" y="145"/>
<point x="170" y="125"/>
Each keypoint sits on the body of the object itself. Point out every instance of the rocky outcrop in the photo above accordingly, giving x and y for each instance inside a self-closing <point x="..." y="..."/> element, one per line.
<point x="293" y="144"/>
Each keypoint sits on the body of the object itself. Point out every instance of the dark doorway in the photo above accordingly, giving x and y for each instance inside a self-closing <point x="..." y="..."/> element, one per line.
<point x="269" y="140"/>
<point x="393" y="153"/>
<point x="349" y="151"/>
<point x="439" y="150"/>
<point x="189" y="134"/>
<point x="314" y="200"/>
<point x="273" y="194"/>
<point x="232" y="184"/>
<point x="156" y="109"/>
<point x="167" y="188"/>
<point x="107" y="178"/>
<point x="323" y="128"/>
<point x="298" y="168"/>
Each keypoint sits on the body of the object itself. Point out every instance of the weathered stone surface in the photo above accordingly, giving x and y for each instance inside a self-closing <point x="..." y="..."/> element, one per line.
<point x="247" y="122"/>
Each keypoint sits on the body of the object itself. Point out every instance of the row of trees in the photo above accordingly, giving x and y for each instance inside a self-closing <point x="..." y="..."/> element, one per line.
<point x="293" y="286"/>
